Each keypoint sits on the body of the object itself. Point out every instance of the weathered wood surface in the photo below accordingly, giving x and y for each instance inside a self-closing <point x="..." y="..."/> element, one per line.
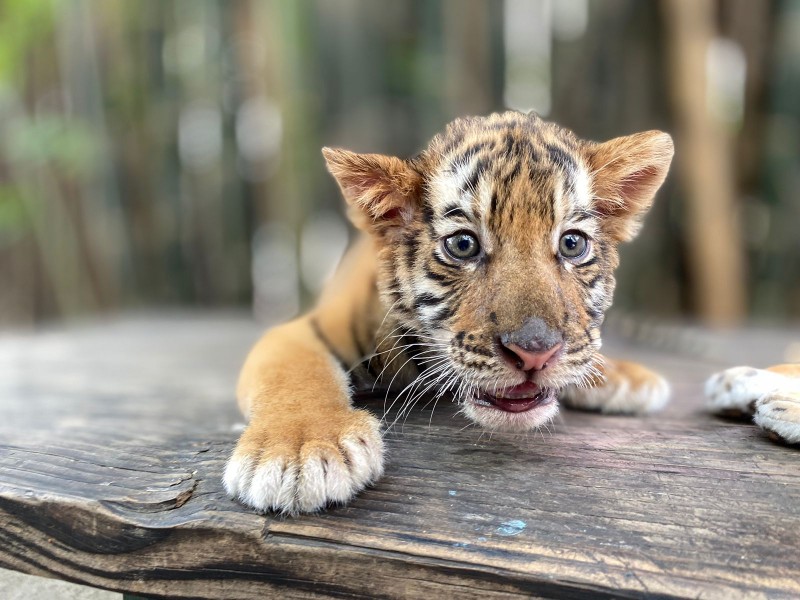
<point x="113" y="438"/>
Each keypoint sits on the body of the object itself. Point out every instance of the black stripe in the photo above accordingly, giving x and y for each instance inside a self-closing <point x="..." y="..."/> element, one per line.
<point x="472" y="183"/>
<point x="393" y="287"/>
<point x="511" y="209"/>
<point x="426" y="299"/>
<point x="547" y="210"/>
<point x="588" y="263"/>
<point x="522" y="149"/>
<point x="580" y="215"/>
<point x="533" y="155"/>
<point x="411" y="249"/>
<point x="433" y="275"/>
<point x="561" y="158"/>
<point x="594" y="281"/>
<point x="539" y="176"/>
<point x="454" y="212"/>
<point x="467" y="155"/>
<point x="442" y="262"/>
<point x="508" y="148"/>
<point x="446" y="312"/>
<point x="427" y="214"/>
<point x="512" y="175"/>
<point x="326" y="342"/>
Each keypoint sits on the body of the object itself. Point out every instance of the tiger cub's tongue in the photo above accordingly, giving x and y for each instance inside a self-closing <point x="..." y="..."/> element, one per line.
<point x="527" y="390"/>
<point x="518" y="398"/>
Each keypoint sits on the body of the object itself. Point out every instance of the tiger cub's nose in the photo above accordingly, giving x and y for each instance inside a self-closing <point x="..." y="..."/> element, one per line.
<point x="525" y="360"/>
<point x="532" y="346"/>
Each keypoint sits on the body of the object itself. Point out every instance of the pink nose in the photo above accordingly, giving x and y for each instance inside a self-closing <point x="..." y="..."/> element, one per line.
<point x="527" y="360"/>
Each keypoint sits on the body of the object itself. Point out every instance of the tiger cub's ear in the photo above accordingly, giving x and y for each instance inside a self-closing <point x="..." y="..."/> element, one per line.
<point x="381" y="191"/>
<point x="626" y="174"/>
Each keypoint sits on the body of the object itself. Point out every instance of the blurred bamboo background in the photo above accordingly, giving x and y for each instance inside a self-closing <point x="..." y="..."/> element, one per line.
<point x="159" y="153"/>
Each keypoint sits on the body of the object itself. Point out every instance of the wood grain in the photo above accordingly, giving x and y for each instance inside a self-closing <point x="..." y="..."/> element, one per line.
<point x="113" y="440"/>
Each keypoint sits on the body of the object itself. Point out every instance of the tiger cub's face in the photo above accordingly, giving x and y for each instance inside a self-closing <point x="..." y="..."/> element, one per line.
<point x="497" y="250"/>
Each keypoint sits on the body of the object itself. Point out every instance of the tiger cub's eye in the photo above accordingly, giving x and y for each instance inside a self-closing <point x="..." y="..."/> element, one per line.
<point x="462" y="245"/>
<point x="573" y="245"/>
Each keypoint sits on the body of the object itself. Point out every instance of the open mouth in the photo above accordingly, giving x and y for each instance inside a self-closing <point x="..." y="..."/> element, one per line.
<point x="516" y="399"/>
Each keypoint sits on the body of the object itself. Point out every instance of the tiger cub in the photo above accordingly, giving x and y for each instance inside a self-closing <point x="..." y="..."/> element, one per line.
<point x="484" y="269"/>
<point x="770" y="396"/>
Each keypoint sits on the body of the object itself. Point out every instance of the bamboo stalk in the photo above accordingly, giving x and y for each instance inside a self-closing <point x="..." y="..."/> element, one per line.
<point x="467" y="58"/>
<point x="705" y="164"/>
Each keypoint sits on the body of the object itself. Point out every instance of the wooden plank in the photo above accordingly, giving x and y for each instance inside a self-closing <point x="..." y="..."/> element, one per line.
<point x="110" y="476"/>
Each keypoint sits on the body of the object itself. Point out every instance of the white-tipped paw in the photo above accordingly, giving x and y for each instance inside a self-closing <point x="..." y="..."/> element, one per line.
<point x="736" y="390"/>
<point x="276" y="474"/>
<point x="628" y="388"/>
<point x="778" y="412"/>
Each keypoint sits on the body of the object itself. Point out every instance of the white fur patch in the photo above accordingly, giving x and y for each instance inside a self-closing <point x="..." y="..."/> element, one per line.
<point x="566" y="205"/>
<point x="494" y="419"/>
<point x="318" y="475"/>
<point x="238" y="473"/>
<point x="446" y="187"/>
<point x="583" y="188"/>
<point x="739" y="388"/>
<point x="617" y="396"/>
<point x="774" y="399"/>
<point x="484" y="193"/>
<point x="561" y="208"/>
<point x="779" y="412"/>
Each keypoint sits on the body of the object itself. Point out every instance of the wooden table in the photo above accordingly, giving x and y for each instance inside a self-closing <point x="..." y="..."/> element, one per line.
<point x="113" y="437"/>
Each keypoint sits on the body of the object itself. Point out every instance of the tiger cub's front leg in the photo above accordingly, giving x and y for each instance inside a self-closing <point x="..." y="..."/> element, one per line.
<point x="620" y="387"/>
<point x="305" y="445"/>
<point x="771" y="396"/>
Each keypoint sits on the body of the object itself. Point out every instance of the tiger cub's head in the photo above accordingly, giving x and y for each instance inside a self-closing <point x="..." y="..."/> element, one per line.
<point x="497" y="248"/>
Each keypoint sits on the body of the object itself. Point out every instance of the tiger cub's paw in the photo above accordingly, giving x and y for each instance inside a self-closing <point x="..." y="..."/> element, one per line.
<point x="290" y="466"/>
<point x="627" y="388"/>
<point x="778" y="413"/>
<point x="734" y="392"/>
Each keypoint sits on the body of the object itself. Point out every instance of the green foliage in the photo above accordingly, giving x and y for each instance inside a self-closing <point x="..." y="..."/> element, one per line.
<point x="13" y="214"/>
<point x="96" y="98"/>
<point x="69" y="146"/>
<point x="23" y="25"/>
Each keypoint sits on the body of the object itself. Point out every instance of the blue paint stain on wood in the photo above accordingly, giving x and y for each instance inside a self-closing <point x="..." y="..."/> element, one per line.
<point x="514" y="527"/>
